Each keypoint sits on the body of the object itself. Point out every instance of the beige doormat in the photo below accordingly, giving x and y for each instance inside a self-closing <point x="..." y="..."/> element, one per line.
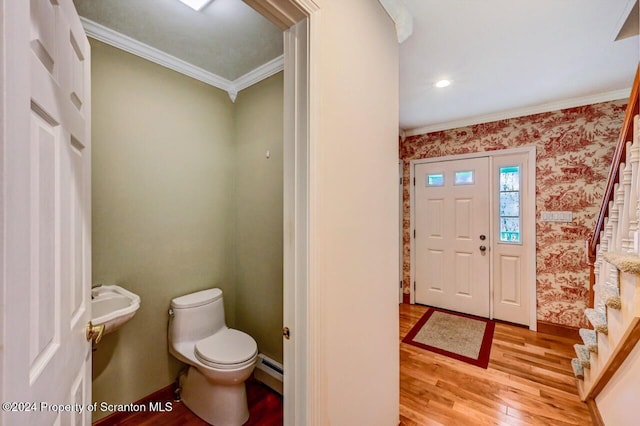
<point x="463" y="337"/>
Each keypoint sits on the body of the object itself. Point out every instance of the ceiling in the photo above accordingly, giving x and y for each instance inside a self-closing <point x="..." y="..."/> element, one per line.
<point x="505" y="58"/>
<point x="505" y="55"/>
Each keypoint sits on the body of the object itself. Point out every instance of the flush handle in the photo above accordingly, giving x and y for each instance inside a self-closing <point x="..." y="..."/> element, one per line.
<point x="94" y="333"/>
<point x="286" y="333"/>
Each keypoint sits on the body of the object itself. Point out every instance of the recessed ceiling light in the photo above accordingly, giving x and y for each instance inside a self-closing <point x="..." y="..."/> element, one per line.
<point x="196" y="4"/>
<point x="442" y="83"/>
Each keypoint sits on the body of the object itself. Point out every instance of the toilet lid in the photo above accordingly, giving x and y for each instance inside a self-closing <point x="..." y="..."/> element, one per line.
<point x="227" y="346"/>
<point x="196" y="299"/>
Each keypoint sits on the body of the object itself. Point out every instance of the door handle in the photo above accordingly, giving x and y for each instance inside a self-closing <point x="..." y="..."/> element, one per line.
<point x="94" y="332"/>
<point x="483" y="248"/>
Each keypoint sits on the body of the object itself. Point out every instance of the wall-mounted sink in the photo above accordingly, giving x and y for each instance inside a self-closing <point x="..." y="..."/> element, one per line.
<point x="112" y="306"/>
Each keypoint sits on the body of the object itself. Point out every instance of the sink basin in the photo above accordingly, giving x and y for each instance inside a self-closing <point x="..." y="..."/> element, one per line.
<point x="112" y="306"/>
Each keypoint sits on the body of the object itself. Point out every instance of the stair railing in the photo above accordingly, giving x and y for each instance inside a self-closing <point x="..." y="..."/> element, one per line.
<point x="610" y="250"/>
<point x="615" y="182"/>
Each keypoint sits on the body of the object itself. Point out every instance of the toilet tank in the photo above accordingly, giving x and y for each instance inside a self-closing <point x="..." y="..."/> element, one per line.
<point x="196" y="315"/>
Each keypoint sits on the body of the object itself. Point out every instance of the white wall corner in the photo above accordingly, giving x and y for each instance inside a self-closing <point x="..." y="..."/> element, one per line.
<point x="401" y="16"/>
<point x="622" y="21"/>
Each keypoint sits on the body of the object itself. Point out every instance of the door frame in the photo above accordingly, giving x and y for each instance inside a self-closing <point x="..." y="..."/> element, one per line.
<point x="529" y="229"/>
<point x="298" y="20"/>
<point x="400" y="229"/>
<point x="300" y="292"/>
<point x="296" y="199"/>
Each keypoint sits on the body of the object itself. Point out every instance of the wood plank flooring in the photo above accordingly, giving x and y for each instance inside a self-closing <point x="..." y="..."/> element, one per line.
<point x="528" y="382"/>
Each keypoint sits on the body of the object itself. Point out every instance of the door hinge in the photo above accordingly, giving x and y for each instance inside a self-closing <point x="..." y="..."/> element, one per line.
<point x="400" y="181"/>
<point x="414" y="181"/>
<point x="414" y="233"/>
<point x="414" y="286"/>
<point x="286" y="333"/>
<point x="400" y="283"/>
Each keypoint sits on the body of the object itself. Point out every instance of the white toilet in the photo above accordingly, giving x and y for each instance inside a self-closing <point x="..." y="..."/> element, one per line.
<point x="221" y="359"/>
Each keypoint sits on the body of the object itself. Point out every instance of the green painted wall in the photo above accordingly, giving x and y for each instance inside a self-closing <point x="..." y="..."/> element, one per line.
<point x="259" y="117"/>
<point x="183" y="199"/>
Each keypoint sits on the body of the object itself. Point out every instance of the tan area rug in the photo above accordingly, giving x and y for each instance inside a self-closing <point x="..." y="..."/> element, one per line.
<point x="459" y="336"/>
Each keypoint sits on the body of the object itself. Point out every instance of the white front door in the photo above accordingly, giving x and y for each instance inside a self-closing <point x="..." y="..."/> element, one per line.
<point x="46" y="229"/>
<point x="452" y="228"/>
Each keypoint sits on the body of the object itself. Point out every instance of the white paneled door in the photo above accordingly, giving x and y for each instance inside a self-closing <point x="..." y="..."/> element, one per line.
<point x="452" y="226"/>
<point x="46" y="195"/>
<point x="513" y="253"/>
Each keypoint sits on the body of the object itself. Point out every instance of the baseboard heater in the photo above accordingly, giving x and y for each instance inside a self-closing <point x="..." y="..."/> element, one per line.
<point x="269" y="372"/>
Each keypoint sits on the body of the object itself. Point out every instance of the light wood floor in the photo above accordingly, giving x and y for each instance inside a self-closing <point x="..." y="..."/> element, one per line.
<point x="528" y="382"/>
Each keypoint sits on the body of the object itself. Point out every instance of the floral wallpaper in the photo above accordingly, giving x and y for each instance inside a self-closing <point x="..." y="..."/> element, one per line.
<point x="573" y="154"/>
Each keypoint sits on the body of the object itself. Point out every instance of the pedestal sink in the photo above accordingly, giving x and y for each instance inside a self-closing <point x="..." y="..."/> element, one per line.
<point x="112" y="306"/>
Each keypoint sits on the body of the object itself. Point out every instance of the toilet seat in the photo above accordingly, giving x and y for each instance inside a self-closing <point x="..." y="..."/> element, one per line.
<point x="227" y="349"/>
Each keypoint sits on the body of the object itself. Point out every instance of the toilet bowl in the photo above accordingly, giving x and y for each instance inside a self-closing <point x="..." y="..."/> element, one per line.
<point x="220" y="358"/>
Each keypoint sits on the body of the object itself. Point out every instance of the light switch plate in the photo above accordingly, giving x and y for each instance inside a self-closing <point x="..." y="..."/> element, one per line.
<point x="557" y="216"/>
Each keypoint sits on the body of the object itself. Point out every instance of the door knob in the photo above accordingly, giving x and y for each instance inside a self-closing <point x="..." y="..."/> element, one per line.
<point x="483" y="237"/>
<point x="483" y="248"/>
<point x="94" y="332"/>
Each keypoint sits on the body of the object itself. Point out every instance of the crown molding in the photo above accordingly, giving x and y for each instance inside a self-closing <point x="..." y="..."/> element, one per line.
<point x="128" y="44"/>
<point x="135" y="47"/>
<point x="521" y="112"/>
<point x="401" y="17"/>
<point x="263" y="71"/>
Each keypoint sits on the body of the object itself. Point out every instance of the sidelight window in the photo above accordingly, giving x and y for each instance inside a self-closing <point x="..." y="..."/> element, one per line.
<point x="510" y="211"/>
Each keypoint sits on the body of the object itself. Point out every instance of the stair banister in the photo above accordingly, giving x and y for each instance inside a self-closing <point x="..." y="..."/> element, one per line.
<point x="613" y="179"/>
